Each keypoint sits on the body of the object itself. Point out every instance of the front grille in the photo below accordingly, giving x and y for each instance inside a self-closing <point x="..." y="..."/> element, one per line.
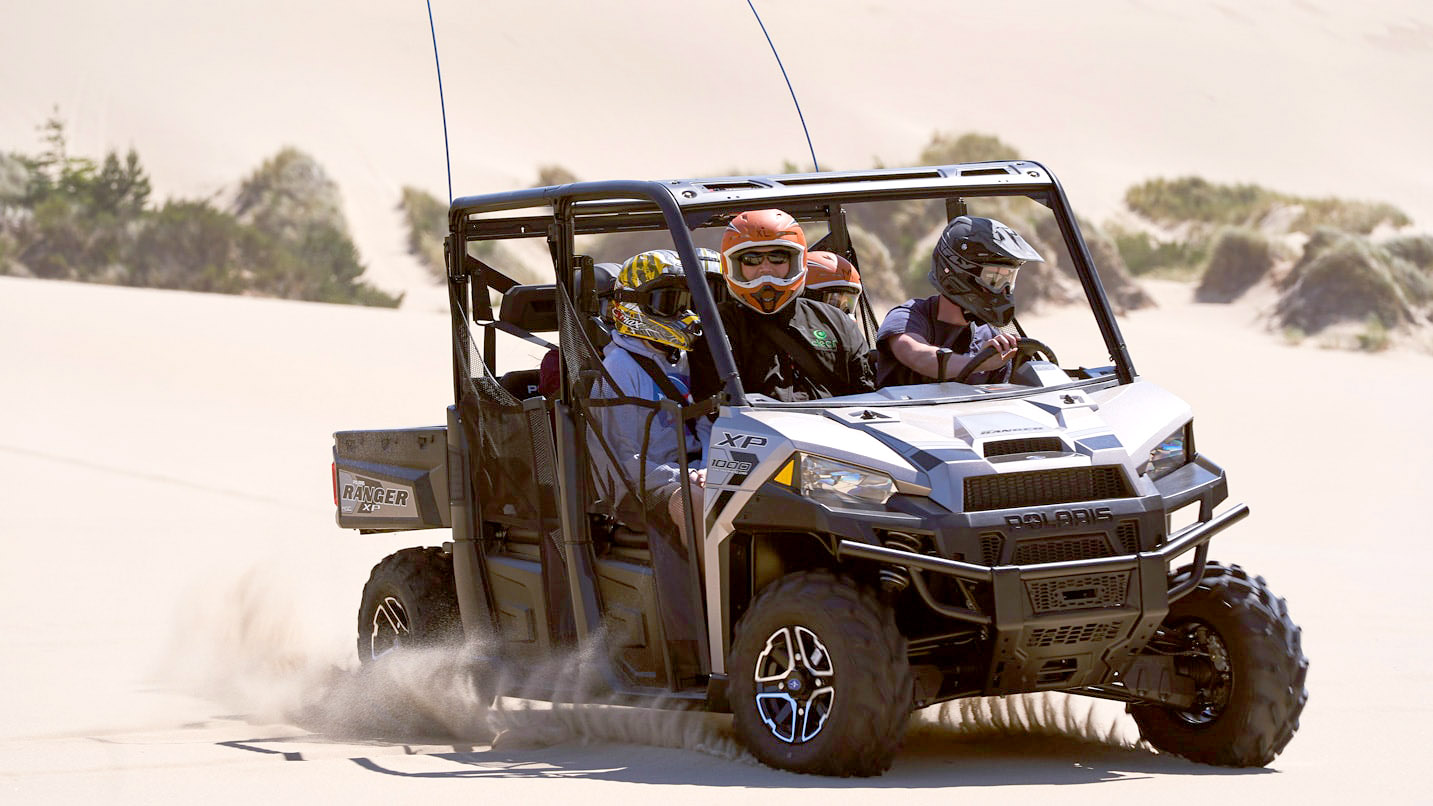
<point x="1037" y="488"/>
<point x="1061" y="549"/>
<point x="1005" y="447"/>
<point x="990" y="545"/>
<point x="1078" y="593"/>
<point x="1093" y="632"/>
<point x="1127" y="533"/>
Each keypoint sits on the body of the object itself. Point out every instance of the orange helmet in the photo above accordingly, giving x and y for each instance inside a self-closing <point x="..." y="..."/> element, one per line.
<point x="771" y="242"/>
<point x="830" y="278"/>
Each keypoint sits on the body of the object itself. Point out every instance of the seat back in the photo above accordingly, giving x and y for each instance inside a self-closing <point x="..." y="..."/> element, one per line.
<point x="530" y="307"/>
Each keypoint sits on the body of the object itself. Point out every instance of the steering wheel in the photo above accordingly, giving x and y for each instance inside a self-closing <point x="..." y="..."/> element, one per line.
<point x="1025" y="350"/>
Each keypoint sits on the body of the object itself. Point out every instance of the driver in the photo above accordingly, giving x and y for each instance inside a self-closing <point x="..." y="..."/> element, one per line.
<point x="973" y="266"/>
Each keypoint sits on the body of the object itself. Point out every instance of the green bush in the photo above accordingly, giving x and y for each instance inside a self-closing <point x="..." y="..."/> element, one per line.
<point x="947" y="149"/>
<point x="1145" y="256"/>
<point x="1342" y="278"/>
<point x="1239" y="259"/>
<point x="72" y="218"/>
<point x="1374" y="337"/>
<point x="1191" y="199"/>
<point x="190" y="245"/>
<point x="425" y="216"/>
<point x="1416" y="249"/>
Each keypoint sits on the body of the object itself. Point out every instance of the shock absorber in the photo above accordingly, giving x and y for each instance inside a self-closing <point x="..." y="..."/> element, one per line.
<point x="895" y="579"/>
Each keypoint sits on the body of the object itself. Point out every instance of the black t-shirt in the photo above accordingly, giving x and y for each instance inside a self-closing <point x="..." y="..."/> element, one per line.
<point x="918" y="317"/>
<point x="834" y="348"/>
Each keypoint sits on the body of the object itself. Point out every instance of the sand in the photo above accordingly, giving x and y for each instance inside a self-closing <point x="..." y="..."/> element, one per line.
<point x="1312" y="97"/>
<point x="180" y="603"/>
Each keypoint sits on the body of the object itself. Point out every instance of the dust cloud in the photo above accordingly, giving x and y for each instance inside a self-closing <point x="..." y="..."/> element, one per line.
<point x="247" y="648"/>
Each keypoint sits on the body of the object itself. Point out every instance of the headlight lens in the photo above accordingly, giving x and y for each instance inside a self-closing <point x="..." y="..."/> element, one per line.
<point x="839" y="484"/>
<point x="1169" y="455"/>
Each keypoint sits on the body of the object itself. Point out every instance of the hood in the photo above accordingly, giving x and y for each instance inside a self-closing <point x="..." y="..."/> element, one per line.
<point x="939" y="445"/>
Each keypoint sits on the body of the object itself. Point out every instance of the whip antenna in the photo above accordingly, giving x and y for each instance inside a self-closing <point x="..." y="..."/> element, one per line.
<point x="447" y="157"/>
<point x="783" y="75"/>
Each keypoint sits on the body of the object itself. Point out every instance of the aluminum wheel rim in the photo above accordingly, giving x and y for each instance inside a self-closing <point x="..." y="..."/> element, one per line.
<point x="795" y="684"/>
<point x="390" y="625"/>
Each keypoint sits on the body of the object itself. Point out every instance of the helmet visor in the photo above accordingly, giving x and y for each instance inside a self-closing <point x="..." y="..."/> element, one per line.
<point x="842" y="298"/>
<point x="998" y="277"/>
<point x="667" y="297"/>
<point x="760" y="263"/>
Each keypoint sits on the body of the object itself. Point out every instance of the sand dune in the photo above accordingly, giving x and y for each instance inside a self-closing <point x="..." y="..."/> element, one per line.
<point x="1312" y="97"/>
<point x="180" y="604"/>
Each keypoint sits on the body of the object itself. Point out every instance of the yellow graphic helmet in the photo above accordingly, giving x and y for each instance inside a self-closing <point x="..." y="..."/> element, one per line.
<point x="652" y="301"/>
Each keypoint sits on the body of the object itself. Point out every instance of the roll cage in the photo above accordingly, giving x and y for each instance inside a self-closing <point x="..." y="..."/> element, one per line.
<point x="680" y="206"/>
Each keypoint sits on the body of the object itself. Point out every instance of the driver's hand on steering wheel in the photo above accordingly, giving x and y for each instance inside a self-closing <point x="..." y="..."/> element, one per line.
<point x="1004" y="345"/>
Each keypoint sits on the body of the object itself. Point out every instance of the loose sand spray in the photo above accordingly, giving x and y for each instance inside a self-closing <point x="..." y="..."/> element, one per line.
<point x="246" y="647"/>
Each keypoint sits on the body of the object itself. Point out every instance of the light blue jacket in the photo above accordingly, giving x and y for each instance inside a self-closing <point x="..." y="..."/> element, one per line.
<point x="624" y="428"/>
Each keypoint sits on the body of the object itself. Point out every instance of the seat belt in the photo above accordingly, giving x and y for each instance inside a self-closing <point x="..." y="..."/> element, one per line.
<point x="669" y="389"/>
<point x="817" y="372"/>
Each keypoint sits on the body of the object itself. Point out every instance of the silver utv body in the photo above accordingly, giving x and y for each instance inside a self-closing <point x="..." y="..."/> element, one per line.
<point x="1025" y="538"/>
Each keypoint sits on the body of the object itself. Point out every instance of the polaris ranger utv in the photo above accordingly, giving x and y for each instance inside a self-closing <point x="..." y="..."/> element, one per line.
<point x="854" y="558"/>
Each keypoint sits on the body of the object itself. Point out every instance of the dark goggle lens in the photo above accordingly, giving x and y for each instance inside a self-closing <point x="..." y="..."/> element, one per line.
<point x="775" y="256"/>
<point x="669" y="301"/>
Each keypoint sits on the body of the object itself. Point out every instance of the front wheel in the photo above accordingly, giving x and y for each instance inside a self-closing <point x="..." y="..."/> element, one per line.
<point x="820" y="681"/>
<point x="410" y="601"/>
<point x="1237" y="639"/>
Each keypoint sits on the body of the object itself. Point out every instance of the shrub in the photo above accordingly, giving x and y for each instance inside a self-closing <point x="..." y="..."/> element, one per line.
<point x="948" y="149"/>
<point x="1192" y="199"/>
<point x="1122" y="291"/>
<point x="1342" y="278"/>
<point x="1143" y="255"/>
<point x="426" y="218"/>
<point x="554" y="175"/>
<point x="1416" y="249"/>
<point x="287" y="194"/>
<point x="190" y="245"/>
<point x="1374" y="337"/>
<point x="1239" y="259"/>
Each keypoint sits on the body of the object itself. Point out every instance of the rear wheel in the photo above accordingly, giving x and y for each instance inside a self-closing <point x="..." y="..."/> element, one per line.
<point x="819" y="679"/>
<point x="1237" y="640"/>
<point x="410" y="601"/>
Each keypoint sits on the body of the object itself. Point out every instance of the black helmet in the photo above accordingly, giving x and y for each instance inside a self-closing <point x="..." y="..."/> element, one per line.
<point x="604" y="278"/>
<point x="974" y="265"/>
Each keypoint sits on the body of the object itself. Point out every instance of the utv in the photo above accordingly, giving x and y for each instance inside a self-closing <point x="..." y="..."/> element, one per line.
<point x="851" y="559"/>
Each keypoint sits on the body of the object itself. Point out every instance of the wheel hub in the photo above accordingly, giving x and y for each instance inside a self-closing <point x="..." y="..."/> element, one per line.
<point x="390" y="625"/>
<point x="1216" y="676"/>
<point x="795" y="684"/>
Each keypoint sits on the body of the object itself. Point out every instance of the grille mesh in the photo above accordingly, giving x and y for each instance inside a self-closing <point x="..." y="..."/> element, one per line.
<point x="1005" y="447"/>
<point x="1094" y="631"/>
<point x="1061" y="549"/>
<point x="1042" y="487"/>
<point x="990" y="545"/>
<point x="1078" y="593"/>
<point x="1127" y="533"/>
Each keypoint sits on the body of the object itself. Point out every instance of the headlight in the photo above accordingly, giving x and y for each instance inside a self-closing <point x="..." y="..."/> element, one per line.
<point x="1170" y="454"/>
<point x="838" y="483"/>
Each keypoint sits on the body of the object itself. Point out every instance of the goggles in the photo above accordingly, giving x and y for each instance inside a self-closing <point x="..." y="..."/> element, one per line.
<point x="754" y="258"/>
<point x="784" y="259"/>
<point x="997" y="277"/>
<point x="669" y="301"/>
<point x="840" y="297"/>
<point x="665" y="297"/>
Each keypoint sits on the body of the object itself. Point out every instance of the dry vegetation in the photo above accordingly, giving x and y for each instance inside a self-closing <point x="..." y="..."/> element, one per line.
<point x="67" y="217"/>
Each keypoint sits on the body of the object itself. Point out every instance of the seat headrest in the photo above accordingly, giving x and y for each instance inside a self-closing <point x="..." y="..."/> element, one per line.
<point x="530" y="307"/>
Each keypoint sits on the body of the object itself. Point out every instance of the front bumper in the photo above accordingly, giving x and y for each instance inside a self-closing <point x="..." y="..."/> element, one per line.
<point x="1064" y="624"/>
